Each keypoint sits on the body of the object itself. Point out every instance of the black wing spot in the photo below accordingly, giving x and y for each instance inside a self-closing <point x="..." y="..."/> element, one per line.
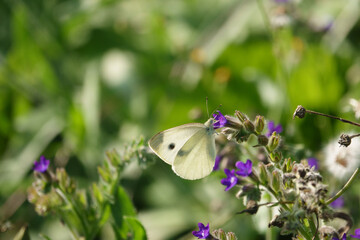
<point x="171" y="146"/>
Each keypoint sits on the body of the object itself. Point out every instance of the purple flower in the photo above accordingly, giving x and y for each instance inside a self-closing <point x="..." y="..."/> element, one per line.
<point x="42" y="165"/>
<point x="343" y="238"/>
<point x="357" y="234"/>
<point x="328" y="26"/>
<point x="338" y="203"/>
<point x="272" y="128"/>
<point x="231" y="180"/>
<point x="220" y="120"/>
<point x="244" y="168"/>
<point x="313" y="162"/>
<point x="217" y="162"/>
<point x="203" y="232"/>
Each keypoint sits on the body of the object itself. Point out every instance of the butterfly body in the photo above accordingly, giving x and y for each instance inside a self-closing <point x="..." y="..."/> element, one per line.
<point x="189" y="149"/>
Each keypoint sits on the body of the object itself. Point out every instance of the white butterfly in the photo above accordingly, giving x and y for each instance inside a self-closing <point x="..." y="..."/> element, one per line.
<point x="189" y="148"/>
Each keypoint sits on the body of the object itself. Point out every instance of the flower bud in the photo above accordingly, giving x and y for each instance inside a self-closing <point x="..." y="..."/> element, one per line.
<point x="32" y="194"/>
<point x="263" y="174"/>
<point x="276" y="180"/>
<point x="113" y="157"/>
<point x="62" y="177"/>
<point x="262" y="140"/>
<point x="231" y="236"/>
<point x="273" y="142"/>
<point x="249" y="126"/>
<point x="219" y="234"/>
<point x="241" y="116"/>
<point x="290" y="195"/>
<point x="345" y="140"/>
<point x="65" y="182"/>
<point x="242" y="135"/>
<point x="287" y="165"/>
<point x="233" y="123"/>
<point x="259" y="124"/>
<point x="277" y="221"/>
<point x="104" y="174"/>
<point x="275" y="156"/>
<point x="299" y="112"/>
<point x="252" y="207"/>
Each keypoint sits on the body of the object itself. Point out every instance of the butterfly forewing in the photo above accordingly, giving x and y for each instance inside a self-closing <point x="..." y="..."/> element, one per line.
<point x="196" y="158"/>
<point x="167" y="144"/>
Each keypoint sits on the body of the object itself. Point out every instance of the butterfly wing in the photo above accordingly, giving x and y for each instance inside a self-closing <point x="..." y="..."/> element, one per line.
<point x="196" y="158"/>
<point x="166" y="144"/>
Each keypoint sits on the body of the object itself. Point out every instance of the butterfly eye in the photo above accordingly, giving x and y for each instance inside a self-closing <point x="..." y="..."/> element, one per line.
<point x="171" y="146"/>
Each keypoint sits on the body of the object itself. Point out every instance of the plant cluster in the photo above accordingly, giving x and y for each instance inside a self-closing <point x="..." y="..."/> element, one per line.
<point x="298" y="191"/>
<point x="85" y="212"/>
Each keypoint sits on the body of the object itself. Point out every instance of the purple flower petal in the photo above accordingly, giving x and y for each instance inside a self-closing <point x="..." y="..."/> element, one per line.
<point x="343" y="238"/>
<point x="203" y="232"/>
<point x="357" y="234"/>
<point x="217" y="162"/>
<point x="313" y="162"/>
<point x="42" y="165"/>
<point x="272" y="128"/>
<point x="220" y="120"/>
<point x="231" y="179"/>
<point x="338" y="203"/>
<point x="245" y="169"/>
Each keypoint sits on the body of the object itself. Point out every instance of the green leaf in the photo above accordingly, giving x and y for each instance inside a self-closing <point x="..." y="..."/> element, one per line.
<point x="105" y="216"/>
<point x="137" y="229"/>
<point x="251" y="192"/>
<point x="45" y="237"/>
<point x="122" y="207"/>
<point x="22" y="234"/>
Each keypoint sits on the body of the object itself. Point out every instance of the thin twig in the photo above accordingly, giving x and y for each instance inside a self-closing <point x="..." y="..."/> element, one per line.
<point x="344" y="188"/>
<point x="333" y="117"/>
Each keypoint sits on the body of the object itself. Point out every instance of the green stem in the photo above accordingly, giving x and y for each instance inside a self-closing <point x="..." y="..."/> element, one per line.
<point x="314" y="228"/>
<point x="270" y="231"/>
<point x="72" y="231"/>
<point x="265" y="18"/>
<point x="75" y="209"/>
<point x="344" y="188"/>
<point x="114" y="184"/>
<point x="302" y="230"/>
<point x="304" y="233"/>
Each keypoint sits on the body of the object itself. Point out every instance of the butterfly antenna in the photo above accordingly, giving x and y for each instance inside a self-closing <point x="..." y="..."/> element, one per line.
<point x="220" y="105"/>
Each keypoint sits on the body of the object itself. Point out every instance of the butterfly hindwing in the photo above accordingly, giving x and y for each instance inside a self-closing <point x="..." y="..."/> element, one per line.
<point x="196" y="158"/>
<point x="167" y="144"/>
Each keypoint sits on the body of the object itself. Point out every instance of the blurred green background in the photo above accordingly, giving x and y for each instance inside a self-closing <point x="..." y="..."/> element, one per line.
<point x="78" y="78"/>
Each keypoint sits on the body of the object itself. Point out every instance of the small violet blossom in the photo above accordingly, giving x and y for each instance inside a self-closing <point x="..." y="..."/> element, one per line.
<point x="231" y="179"/>
<point x="357" y="234"/>
<point x="338" y="203"/>
<point x="203" y="232"/>
<point x="272" y="128"/>
<point x="313" y="162"/>
<point x="244" y="168"/>
<point x="343" y="238"/>
<point x="42" y="165"/>
<point x="220" y="120"/>
<point x="217" y="162"/>
<point x="328" y="26"/>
